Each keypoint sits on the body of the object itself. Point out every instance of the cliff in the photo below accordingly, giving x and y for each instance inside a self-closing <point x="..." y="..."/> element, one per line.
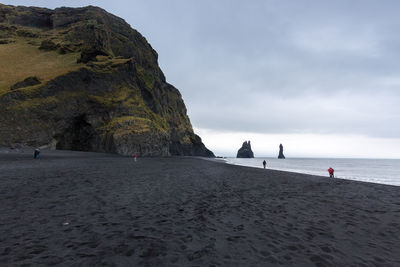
<point x="245" y="151"/>
<point x="83" y="79"/>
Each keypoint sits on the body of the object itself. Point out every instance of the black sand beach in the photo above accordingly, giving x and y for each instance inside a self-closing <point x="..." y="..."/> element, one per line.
<point x="88" y="209"/>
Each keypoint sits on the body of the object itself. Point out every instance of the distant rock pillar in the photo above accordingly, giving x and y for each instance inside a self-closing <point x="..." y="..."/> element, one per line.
<point x="245" y="151"/>
<point x="281" y="156"/>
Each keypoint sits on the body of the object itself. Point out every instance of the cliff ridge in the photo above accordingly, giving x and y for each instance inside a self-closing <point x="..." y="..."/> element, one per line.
<point x="83" y="79"/>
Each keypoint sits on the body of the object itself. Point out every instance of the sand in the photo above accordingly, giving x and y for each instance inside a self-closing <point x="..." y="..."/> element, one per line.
<point x="89" y="209"/>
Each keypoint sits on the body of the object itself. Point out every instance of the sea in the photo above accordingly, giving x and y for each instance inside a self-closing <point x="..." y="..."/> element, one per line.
<point x="381" y="171"/>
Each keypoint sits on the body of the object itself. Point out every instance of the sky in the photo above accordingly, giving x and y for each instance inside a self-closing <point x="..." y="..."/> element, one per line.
<point x="321" y="77"/>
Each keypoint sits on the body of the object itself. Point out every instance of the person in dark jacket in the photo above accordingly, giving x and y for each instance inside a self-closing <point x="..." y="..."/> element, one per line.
<point x="36" y="154"/>
<point x="264" y="164"/>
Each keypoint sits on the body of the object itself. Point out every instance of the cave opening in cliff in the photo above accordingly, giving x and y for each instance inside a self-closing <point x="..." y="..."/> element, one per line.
<point x="78" y="136"/>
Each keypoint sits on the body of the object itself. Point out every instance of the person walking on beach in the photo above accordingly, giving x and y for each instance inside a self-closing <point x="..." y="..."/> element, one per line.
<point x="134" y="156"/>
<point x="36" y="154"/>
<point x="331" y="172"/>
<point x="264" y="164"/>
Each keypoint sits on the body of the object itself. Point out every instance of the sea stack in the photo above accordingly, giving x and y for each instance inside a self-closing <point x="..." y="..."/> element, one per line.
<point x="245" y="151"/>
<point x="281" y="156"/>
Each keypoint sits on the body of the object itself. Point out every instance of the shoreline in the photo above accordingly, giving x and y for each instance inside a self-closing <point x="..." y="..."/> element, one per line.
<point x="27" y="150"/>
<point x="82" y="208"/>
<point x="393" y="181"/>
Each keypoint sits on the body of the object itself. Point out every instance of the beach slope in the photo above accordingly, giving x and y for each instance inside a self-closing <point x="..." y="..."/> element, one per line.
<point x="89" y="209"/>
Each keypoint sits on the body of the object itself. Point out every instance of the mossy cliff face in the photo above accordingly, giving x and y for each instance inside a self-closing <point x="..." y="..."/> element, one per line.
<point x="83" y="79"/>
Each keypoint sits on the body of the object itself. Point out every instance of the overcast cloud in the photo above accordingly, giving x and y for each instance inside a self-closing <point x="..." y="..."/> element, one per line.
<point x="275" y="66"/>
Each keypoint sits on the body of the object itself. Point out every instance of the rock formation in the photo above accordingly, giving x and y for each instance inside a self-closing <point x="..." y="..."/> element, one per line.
<point x="245" y="151"/>
<point x="83" y="79"/>
<point x="281" y="156"/>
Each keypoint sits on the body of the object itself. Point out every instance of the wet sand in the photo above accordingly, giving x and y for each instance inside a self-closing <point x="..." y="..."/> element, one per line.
<point x="89" y="209"/>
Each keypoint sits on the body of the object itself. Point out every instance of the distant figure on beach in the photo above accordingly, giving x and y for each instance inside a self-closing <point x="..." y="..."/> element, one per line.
<point x="264" y="164"/>
<point x="36" y="154"/>
<point x="331" y="172"/>
<point x="134" y="156"/>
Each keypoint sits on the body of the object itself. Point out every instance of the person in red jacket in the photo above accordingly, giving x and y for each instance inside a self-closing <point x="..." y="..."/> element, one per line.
<point x="331" y="172"/>
<point x="134" y="156"/>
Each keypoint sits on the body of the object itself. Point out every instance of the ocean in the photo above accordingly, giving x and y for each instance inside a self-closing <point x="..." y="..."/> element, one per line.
<point x="381" y="171"/>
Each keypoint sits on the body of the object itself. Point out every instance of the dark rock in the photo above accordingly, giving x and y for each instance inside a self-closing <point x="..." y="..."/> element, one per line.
<point x="6" y="41"/>
<point x="194" y="148"/>
<point x="245" y="151"/>
<point x="64" y="49"/>
<point x="33" y="17"/>
<point x="117" y="101"/>
<point x="90" y="54"/>
<point x="27" y="33"/>
<point x="48" y="45"/>
<point x="30" y="81"/>
<point x="281" y="156"/>
<point x="77" y="136"/>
